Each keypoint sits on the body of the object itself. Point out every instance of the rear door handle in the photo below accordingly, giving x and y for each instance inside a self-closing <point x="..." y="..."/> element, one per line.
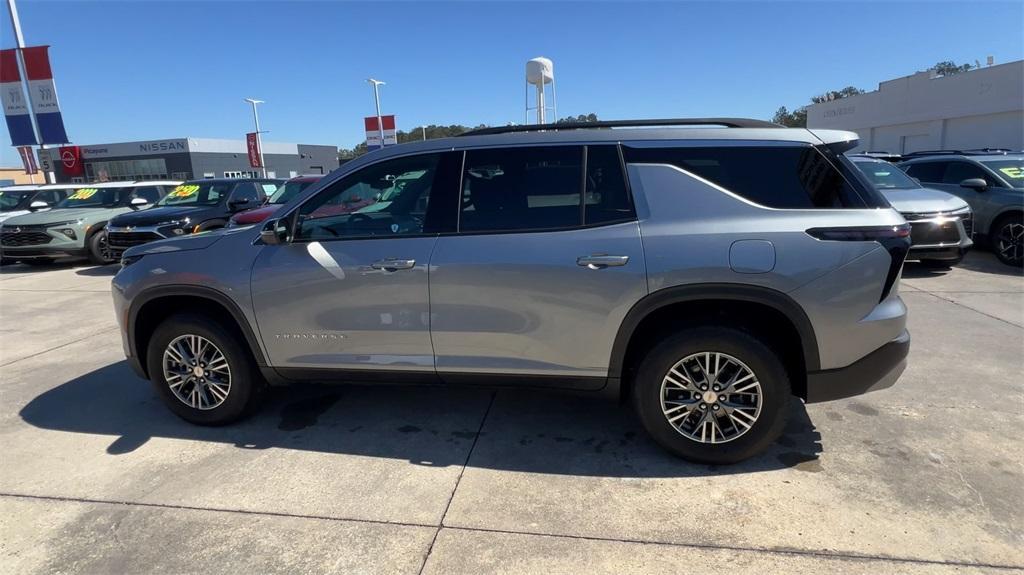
<point x="393" y="264"/>
<point x="597" y="262"/>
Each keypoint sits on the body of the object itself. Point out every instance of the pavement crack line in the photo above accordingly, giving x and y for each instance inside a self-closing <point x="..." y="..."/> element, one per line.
<point x="967" y="307"/>
<point x="91" y="335"/>
<point x="440" y="525"/>
<point x="838" y="555"/>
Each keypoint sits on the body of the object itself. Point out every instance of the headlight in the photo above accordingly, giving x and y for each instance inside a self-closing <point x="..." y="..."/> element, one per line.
<point x="964" y="211"/>
<point x="129" y="260"/>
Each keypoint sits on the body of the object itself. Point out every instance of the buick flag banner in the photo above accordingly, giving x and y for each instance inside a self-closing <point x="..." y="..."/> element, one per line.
<point x="373" y="131"/>
<point x="44" y="95"/>
<point x="19" y="123"/>
<point x="253" y="145"/>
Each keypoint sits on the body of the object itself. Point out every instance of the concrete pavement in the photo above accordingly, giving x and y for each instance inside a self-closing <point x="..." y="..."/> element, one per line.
<point x="98" y="477"/>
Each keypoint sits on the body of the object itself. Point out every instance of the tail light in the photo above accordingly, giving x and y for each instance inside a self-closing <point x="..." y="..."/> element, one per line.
<point x="895" y="239"/>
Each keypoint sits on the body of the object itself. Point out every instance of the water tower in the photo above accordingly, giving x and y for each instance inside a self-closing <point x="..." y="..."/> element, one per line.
<point x="540" y="72"/>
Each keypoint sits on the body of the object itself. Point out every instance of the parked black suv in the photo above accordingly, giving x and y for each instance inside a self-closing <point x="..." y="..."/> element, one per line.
<point x="192" y="207"/>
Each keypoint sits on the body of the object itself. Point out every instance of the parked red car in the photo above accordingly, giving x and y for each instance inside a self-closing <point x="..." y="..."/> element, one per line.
<point x="289" y="190"/>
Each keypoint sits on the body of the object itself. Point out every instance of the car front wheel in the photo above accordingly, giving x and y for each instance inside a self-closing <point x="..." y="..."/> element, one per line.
<point x="202" y="371"/>
<point x="99" y="253"/>
<point x="713" y="395"/>
<point x="1008" y="240"/>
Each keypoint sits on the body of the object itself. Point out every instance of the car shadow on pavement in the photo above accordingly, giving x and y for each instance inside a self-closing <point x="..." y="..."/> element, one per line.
<point x="528" y="431"/>
<point x="109" y="270"/>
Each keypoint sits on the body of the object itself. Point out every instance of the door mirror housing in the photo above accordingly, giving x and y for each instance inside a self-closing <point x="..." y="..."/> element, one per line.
<point x="275" y="232"/>
<point x="976" y="184"/>
<point x="239" y="204"/>
<point x="38" y="205"/>
<point x="138" y="203"/>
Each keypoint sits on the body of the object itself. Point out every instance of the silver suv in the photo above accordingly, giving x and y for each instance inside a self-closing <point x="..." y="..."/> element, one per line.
<point x="991" y="181"/>
<point x="706" y="273"/>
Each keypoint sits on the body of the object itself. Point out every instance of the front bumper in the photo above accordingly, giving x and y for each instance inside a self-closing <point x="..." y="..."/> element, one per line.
<point x="42" y="241"/>
<point x="940" y="235"/>
<point x="877" y="370"/>
<point x="37" y="252"/>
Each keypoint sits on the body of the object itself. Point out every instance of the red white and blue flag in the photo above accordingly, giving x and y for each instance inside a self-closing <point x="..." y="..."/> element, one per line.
<point x="44" y="95"/>
<point x="19" y="123"/>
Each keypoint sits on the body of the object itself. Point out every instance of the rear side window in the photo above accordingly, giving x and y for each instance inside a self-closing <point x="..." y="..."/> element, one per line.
<point x="776" y="177"/>
<point x="930" y="172"/>
<point x="521" y="189"/>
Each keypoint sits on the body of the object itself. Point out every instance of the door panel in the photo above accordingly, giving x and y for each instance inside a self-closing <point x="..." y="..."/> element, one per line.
<point x="520" y="303"/>
<point x="347" y="304"/>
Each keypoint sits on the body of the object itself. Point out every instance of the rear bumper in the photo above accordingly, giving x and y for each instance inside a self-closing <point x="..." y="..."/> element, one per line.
<point x="932" y="253"/>
<point x="878" y="370"/>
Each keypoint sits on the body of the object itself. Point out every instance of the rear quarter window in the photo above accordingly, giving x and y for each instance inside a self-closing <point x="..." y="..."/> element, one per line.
<point x="790" y="177"/>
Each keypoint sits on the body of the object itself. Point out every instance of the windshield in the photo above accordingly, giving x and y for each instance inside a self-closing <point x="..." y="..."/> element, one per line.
<point x="289" y="190"/>
<point x="11" y="200"/>
<point x="885" y="176"/>
<point x="96" y="198"/>
<point x="196" y="194"/>
<point x="1010" y="170"/>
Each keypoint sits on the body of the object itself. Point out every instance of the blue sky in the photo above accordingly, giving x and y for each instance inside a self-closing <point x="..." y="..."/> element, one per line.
<point x="147" y="70"/>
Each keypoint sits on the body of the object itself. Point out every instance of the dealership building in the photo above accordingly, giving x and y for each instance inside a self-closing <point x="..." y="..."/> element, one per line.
<point x="981" y="108"/>
<point x="183" y="159"/>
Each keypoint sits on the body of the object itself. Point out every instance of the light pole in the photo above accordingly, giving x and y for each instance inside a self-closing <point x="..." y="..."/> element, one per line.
<point x="376" y="99"/>
<point x="259" y="140"/>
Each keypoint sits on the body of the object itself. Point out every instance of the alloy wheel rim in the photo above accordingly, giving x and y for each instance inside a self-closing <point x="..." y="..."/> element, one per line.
<point x="711" y="397"/>
<point x="1011" y="242"/>
<point x="197" y="372"/>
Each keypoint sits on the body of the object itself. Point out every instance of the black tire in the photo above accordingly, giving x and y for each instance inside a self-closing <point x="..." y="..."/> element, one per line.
<point x="38" y="261"/>
<point x="246" y="383"/>
<point x="768" y="369"/>
<point x="97" y="249"/>
<point x="1007" y="240"/>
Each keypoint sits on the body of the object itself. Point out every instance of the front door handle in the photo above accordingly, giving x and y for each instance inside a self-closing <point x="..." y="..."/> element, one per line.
<point x="597" y="262"/>
<point x="393" y="264"/>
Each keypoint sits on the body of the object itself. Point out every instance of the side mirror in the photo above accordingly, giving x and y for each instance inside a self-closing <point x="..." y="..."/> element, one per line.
<point x="138" y="203"/>
<point x="976" y="184"/>
<point x="274" y="232"/>
<point x="38" y="205"/>
<point x="238" y="205"/>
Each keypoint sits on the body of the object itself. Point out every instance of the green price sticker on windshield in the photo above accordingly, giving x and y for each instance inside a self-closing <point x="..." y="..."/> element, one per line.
<point x="1015" y="172"/>
<point x="184" y="191"/>
<point x="83" y="194"/>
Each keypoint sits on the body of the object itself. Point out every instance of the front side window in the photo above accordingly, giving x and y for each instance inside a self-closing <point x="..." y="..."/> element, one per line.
<point x="386" y="199"/>
<point x="957" y="172"/>
<point x="521" y="189"/>
<point x="12" y="200"/>
<point x="196" y="194"/>
<point x="784" y="177"/>
<point x="885" y="176"/>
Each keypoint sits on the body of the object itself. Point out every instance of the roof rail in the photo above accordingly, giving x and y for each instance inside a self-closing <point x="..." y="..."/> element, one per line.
<point x="725" y="122"/>
<point x="988" y="151"/>
<point x="933" y="153"/>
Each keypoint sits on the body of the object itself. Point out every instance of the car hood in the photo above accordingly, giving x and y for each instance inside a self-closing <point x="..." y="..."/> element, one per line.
<point x="164" y="214"/>
<point x="923" y="200"/>
<point x="13" y="213"/>
<point x="62" y="215"/>
<point x="187" y="243"/>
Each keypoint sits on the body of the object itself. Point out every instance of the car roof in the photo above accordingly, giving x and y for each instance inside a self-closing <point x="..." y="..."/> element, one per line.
<point x="103" y="185"/>
<point x="595" y="134"/>
<point x="232" y="180"/>
<point x="310" y="178"/>
<point x="963" y="157"/>
<point x="20" y="187"/>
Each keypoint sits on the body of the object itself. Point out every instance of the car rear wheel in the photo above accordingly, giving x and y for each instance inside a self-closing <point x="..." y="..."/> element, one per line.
<point x="202" y="371"/>
<point x="99" y="252"/>
<point x="1008" y="239"/>
<point x="712" y="395"/>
